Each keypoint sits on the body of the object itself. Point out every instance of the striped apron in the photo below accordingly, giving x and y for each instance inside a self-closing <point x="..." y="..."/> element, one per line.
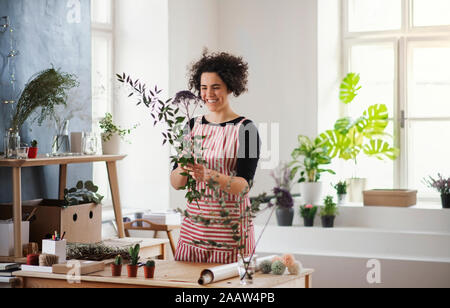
<point x="219" y="150"/>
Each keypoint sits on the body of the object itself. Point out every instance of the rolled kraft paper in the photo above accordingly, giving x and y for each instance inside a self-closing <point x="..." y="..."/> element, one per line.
<point x="224" y="272"/>
<point x="48" y="260"/>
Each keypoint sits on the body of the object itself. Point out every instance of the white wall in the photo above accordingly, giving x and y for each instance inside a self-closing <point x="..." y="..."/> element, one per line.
<point x="142" y="50"/>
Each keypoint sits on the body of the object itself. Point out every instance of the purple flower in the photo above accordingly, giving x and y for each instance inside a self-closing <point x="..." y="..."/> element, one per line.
<point x="185" y="97"/>
<point x="284" y="197"/>
<point x="441" y="184"/>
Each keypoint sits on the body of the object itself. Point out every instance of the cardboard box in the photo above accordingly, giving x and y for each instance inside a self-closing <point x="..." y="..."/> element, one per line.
<point x="395" y="197"/>
<point x="7" y="237"/>
<point x="82" y="223"/>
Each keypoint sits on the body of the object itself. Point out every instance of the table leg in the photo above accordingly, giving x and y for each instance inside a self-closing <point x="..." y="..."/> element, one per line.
<point x="114" y="185"/>
<point x="172" y="244"/>
<point x="17" y="211"/>
<point x="62" y="180"/>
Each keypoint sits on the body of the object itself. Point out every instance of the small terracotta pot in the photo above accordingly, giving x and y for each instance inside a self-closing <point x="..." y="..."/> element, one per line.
<point x="116" y="270"/>
<point x="132" y="270"/>
<point x="149" y="271"/>
<point x="32" y="152"/>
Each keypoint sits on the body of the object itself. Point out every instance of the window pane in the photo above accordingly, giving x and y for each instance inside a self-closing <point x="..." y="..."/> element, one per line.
<point x="431" y="12"/>
<point x="376" y="66"/>
<point x="374" y="15"/>
<point x="100" y="75"/>
<point x="101" y="11"/>
<point x="430" y="82"/>
<point x="428" y="153"/>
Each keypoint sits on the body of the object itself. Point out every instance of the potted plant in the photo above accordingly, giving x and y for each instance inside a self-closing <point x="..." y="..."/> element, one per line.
<point x="328" y="212"/>
<point x="149" y="269"/>
<point x="83" y="193"/>
<point x="33" y="150"/>
<point x="308" y="212"/>
<point x="283" y="177"/>
<point x="341" y="190"/>
<point x="116" y="267"/>
<point x="366" y="134"/>
<point x="308" y="159"/>
<point x="132" y="268"/>
<point x="112" y="135"/>
<point x="442" y="185"/>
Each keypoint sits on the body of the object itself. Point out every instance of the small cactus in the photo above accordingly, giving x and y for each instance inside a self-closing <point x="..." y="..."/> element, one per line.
<point x="278" y="268"/>
<point x="118" y="260"/>
<point x="34" y="144"/>
<point x="266" y="267"/>
<point x="134" y="254"/>
<point x="150" y="263"/>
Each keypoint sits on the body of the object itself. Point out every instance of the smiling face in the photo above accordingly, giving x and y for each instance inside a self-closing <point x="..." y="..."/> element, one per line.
<point x="214" y="92"/>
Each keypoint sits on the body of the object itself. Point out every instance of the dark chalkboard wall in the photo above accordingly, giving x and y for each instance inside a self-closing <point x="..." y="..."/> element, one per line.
<point x="48" y="32"/>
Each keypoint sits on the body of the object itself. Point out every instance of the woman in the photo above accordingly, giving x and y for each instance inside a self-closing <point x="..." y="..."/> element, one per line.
<point x="231" y="150"/>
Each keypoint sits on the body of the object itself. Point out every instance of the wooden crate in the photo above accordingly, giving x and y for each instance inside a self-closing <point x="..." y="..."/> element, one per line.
<point x="82" y="223"/>
<point x="395" y="197"/>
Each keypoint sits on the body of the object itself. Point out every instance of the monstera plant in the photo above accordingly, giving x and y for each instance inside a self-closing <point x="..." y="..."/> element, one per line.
<point x="366" y="134"/>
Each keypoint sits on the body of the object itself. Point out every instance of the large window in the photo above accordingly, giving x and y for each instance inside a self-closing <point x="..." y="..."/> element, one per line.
<point x="102" y="34"/>
<point x="401" y="49"/>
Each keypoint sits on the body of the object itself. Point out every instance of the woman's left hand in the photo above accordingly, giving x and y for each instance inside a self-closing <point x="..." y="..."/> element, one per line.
<point x="200" y="173"/>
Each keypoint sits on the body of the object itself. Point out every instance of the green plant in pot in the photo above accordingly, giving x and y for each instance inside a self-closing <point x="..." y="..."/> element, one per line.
<point x="363" y="135"/>
<point x="132" y="268"/>
<point x="81" y="194"/>
<point x="442" y="185"/>
<point x="341" y="191"/>
<point x="149" y="269"/>
<point x="112" y="134"/>
<point x="308" y="212"/>
<point x="328" y="212"/>
<point x="116" y="267"/>
<point x="308" y="159"/>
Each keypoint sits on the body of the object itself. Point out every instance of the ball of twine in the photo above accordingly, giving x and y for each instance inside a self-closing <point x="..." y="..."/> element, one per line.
<point x="278" y="268"/>
<point x="48" y="260"/>
<point x="266" y="267"/>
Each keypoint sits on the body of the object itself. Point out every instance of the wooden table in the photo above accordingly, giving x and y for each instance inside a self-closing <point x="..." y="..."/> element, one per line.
<point x="168" y="274"/>
<point x="18" y="164"/>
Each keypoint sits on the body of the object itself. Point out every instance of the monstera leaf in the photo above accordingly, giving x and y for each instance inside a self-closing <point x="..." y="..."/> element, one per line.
<point x="349" y="88"/>
<point x="380" y="149"/>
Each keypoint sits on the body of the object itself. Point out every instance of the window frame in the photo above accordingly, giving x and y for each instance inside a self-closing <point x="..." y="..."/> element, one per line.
<point x="401" y="39"/>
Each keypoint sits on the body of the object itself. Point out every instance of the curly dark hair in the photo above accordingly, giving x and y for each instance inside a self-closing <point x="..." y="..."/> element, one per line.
<point x="231" y="69"/>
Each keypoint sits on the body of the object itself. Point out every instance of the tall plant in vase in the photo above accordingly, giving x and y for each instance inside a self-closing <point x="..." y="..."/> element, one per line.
<point x="364" y="135"/>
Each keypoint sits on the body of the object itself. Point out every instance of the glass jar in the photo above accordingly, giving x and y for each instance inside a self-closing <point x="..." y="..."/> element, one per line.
<point x="89" y="143"/>
<point x="11" y="144"/>
<point x="247" y="268"/>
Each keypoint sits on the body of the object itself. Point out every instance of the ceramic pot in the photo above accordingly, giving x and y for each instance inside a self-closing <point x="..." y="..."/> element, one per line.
<point x="32" y="152"/>
<point x="308" y="221"/>
<point x="328" y="221"/>
<point x="311" y="192"/>
<point x="112" y="146"/>
<point x="285" y="216"/>
<point x="116" y="270"/>
<point x="149" y="271"/>
<point x="341" y="199"/>
<point x="445" y="201"/>
<point x="132" y="270"/>
<point x="355" y="189"/>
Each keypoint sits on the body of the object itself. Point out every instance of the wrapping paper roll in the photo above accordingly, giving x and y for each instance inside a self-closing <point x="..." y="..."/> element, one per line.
<point x="224" y="272"/>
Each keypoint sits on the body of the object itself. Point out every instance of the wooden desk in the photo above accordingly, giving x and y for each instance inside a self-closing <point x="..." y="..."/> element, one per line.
<point x="18" y="164"/>
<point x="168" y="274"/>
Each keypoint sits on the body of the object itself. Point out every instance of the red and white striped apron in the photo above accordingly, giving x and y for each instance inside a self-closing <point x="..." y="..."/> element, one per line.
<point x="220" y="149"/>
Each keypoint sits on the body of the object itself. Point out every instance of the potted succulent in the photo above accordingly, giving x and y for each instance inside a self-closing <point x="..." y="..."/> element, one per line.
<point x="308" y="159"/>
<point x="365" y="134"/>
<point x="112" y="135"/>
<point x="308" y="212"/>
<point x="149" y="269"/>
<point x="328" y="212"/>
<point x="116" y="267"/>
<point x="341" y="190"/>
<point x="132" y="268"/>
<point x="33" y="150"/>
<point x="442" y="185"/>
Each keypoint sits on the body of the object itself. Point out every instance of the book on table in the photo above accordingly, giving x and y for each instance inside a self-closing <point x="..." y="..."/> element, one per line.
<point x="8" y="266"/>
<point x="8" y="273"/>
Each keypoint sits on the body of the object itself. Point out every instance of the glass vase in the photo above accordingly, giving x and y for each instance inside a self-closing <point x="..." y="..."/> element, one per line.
<point x="246" y="268"/>
<point x="61" y="142"/>
<point x="12" y="144"/>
